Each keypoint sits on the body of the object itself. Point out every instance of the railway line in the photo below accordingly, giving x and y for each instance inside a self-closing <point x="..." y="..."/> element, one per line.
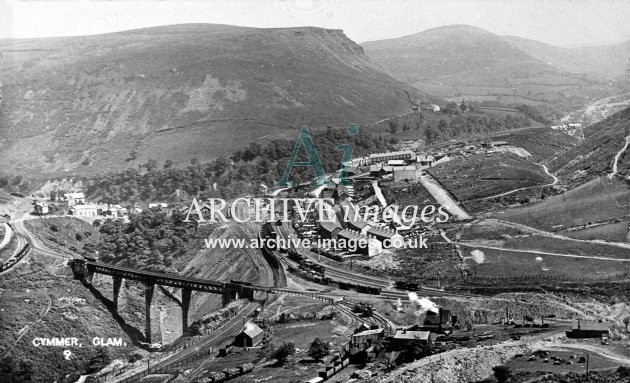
<point x="387" y="286"/>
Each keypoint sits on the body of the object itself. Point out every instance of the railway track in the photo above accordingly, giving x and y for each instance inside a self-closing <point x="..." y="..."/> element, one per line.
<point x="387" y="285"/>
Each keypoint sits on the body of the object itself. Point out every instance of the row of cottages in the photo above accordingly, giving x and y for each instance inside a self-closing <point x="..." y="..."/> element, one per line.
<point x="109" y="211"/>
<point x="84" y="210"/>
<point x="494" y="144"/>
<point x="404" y="155"/>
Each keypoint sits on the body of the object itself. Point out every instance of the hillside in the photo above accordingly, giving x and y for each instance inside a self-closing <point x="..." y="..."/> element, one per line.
<point x="595" y="155"/>
<point x="608" y="61"/>
<point x="461" y="61"/>
<point x="110" y="102"/>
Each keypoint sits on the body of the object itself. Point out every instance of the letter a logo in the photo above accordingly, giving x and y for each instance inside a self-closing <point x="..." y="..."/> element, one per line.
<point x="313" y="161"/>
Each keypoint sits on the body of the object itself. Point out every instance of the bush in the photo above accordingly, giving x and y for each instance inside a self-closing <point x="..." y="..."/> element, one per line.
<point x="283" y="352"/>
<point x="99" y="361"/>
<point x="134" y="357"/>
<point x="318" y="349"/>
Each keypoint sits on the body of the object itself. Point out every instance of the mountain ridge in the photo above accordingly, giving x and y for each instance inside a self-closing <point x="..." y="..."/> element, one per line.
<point x="462" y="61"/>
<point x="85" y="104"/>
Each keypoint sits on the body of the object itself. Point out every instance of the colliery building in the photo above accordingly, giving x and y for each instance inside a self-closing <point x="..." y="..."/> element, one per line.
<point x="439" y="322"/>
<point x="408" y="338"/>
<point x="588" y="329"/>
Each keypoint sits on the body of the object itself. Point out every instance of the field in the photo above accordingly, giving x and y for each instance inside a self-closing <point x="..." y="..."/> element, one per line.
<point x="481" y="176"/>
<point x="514" y="251"/>
<point x="291" y="304"/>
<point x="598" y="200"/>
<point x="504" y="263"/>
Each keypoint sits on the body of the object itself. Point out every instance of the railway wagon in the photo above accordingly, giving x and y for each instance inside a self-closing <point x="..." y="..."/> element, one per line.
<point x="216" y="377"/>
<point x="295" y="256"/>
<point x="313" y="266"/>
<point x="374" y="290"/>
<point x="406" y="285"/>
<point x="330" y="371"/>
<point x="346" y="286"/>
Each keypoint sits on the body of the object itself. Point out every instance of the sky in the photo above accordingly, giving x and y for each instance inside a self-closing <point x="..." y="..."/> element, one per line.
<point x="558" y="22"/>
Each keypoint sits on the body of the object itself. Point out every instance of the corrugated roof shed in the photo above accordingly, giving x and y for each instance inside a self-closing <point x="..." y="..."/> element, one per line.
<point x="589" y="326"/>
<point x="251" y="330"/>
<point x="412" y="335"/>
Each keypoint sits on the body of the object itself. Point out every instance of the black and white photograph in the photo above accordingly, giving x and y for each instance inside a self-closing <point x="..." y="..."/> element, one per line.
<point x="306" y="191"/>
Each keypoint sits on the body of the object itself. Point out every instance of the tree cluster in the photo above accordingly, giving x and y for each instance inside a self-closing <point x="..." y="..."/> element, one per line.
<point x="150" y="241"/>
<point x="259" y="162"/>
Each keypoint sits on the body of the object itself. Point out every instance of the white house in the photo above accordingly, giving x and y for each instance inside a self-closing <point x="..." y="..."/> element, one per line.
<point x="41" y="208"/>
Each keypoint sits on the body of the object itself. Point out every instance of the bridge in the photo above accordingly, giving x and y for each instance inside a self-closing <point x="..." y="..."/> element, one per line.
<point x="85" y="269"/>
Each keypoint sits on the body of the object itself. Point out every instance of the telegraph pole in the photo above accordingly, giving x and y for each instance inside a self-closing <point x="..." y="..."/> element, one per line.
<point x="587" y="360"/>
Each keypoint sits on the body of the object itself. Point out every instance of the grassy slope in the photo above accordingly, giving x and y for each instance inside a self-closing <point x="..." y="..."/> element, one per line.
<point x="594" y="156"/>
<point x="613" y="232"/>
<point x="9" y="249"/>
<point x="542" y="143"/>
<point x="481" y="176"/>
<point x="179" y="92"/>
<point x="508" y="263"/>
<point x="597" y="200"/>
<point x="503" y="262"/>
<point x="75" y="312"/>
<point x="67" y="233"/>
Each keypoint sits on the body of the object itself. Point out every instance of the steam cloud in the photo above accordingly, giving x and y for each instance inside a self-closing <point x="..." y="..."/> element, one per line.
<point x="424" y="304"/>
<point x="478" y="256"/>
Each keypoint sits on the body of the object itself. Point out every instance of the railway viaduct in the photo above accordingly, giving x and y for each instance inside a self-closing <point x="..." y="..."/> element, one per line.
<point x="84" y="270"/>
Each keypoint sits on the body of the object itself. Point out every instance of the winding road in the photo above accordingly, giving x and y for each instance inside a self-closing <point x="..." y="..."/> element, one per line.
<point x="617" y="157"/>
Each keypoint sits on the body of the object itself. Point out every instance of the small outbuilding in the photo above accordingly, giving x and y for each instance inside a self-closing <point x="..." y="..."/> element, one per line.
<point x="251" y="336"/>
